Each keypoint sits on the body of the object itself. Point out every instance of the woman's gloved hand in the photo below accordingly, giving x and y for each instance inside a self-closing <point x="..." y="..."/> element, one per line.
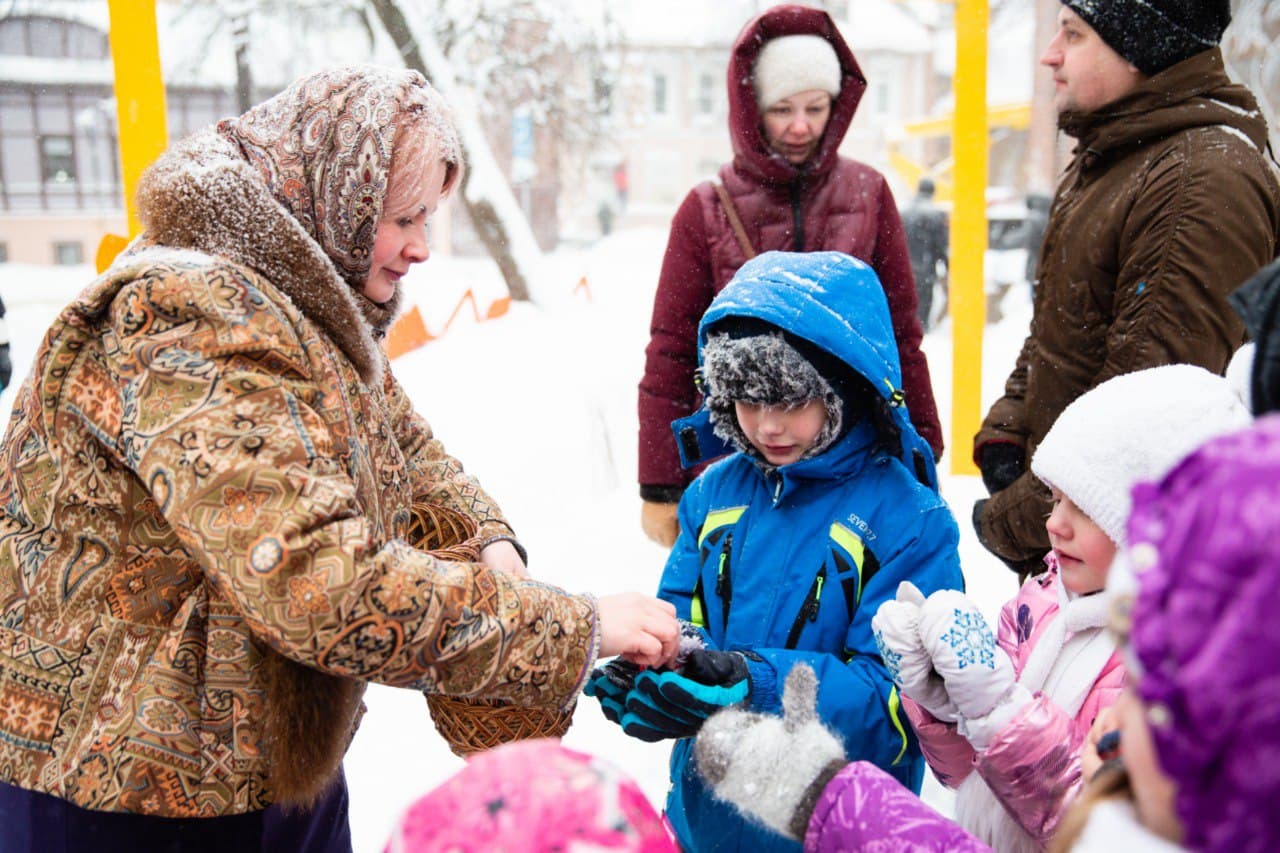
<point x="660" y="522"/>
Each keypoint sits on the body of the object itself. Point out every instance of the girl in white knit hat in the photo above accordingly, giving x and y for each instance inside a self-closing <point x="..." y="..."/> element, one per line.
<point x="1004" y="719"/>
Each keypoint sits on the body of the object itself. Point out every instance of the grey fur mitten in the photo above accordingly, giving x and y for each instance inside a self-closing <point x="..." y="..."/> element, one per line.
<point x="772" y="768"/>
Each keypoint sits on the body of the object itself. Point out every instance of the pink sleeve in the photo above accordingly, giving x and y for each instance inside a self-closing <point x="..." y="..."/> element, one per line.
<point x="949" y="755"/>
<point x="1033" y="766"/>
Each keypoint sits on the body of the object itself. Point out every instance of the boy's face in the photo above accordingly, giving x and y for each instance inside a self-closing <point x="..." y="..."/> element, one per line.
<point x="1084" y="552"/>
<point x="782" y="434"/>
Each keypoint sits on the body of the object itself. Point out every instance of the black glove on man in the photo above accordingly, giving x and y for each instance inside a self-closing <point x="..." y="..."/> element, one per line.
<point x="1001" y="463"/>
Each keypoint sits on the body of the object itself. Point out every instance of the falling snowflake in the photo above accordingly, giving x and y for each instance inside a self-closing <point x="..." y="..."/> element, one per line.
<point x="971" y="640"/>
<point x="892" y="660"/>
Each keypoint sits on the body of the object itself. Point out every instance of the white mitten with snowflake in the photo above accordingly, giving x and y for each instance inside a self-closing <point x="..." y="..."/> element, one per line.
<point x="896" y="627"/>
<point x="977" y="672"/>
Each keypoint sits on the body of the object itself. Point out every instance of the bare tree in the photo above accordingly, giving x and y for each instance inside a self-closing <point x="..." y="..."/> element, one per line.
<point x="492" y="58"/>
<point x="1252" y="50"/>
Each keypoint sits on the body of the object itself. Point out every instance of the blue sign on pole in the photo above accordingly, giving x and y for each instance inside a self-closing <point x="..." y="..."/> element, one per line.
<point x="522" y="136"/>
<point x="523" y="169"/>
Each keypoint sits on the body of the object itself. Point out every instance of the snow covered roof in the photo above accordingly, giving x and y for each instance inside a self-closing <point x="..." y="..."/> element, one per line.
<point x="884" y="25"/>
<point x="95" y="15"/>
<point x="682" y="23"/>
<point x="197" y="45"/>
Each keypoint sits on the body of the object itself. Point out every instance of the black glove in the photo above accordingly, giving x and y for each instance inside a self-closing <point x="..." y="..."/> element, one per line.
<point x="1001" y="463"/>
<point x="609" y="684"/>
<point x="675" y="703"/>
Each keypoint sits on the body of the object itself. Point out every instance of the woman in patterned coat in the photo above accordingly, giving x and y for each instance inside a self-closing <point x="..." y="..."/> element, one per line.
<point x="208" y="494"/>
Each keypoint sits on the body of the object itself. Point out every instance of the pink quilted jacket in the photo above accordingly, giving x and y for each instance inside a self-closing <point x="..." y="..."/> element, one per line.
<point x="1033" y="765"/>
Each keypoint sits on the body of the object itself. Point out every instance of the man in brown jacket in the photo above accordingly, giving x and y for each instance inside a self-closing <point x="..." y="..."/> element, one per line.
<point x="1168" y="204"/>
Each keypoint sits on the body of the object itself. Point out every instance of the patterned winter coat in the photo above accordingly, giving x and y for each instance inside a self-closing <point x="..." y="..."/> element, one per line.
<point x="1033" y="764"/>
<point x="791" y="563"/>
<point x="207" y="486"/>
<point x="1169" y="204"/>
<point x="828" y="204"/>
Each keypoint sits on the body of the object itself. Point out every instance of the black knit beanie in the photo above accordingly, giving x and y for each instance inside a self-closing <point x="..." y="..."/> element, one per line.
<point x="1155" y="34"/>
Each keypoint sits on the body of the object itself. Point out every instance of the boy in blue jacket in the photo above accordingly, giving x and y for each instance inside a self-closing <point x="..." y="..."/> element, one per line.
<point x="789" y="545"/>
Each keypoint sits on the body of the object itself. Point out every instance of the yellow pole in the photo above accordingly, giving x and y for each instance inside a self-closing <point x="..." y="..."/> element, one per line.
<point x="140" y="105"/>
<point x="968" y="231"/>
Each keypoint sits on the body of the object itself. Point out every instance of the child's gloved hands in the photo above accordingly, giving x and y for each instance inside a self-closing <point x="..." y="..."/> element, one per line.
<point x="897" y="633"/>
<point x="609" y="684"/>
<point x="772" y="768"/>
<point x="977" y="672"/>
<point x="675" y="703"/>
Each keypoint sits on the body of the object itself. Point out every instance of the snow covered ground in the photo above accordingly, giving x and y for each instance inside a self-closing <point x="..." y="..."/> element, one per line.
<point x="540" y="405"/>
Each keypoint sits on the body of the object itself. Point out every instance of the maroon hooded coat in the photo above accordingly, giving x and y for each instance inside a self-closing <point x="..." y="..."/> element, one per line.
<point x="829" y="203"/>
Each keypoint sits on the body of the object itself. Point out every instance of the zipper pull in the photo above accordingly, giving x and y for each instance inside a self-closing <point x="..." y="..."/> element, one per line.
<point x="817" y="594"/>
<point x="723" y="565"/>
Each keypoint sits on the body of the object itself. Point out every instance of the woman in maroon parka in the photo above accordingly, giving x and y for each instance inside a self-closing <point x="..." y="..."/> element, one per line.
<point x="793" y="89"/>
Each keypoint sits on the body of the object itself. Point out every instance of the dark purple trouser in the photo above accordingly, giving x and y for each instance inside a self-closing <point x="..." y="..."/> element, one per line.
<point x="32" y="822"/>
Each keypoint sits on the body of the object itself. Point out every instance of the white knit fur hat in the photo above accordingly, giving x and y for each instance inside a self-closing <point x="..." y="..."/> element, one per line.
<point x="790" y="64"/>
<point x="1130" y="429"/>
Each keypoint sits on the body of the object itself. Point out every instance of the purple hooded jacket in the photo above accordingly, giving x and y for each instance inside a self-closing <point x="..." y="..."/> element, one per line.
<point x="1205" y="543"/>
<point x="864" y="807"/>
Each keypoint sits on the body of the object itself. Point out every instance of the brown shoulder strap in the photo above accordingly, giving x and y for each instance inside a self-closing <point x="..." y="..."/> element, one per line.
<point x="734" y="221"/>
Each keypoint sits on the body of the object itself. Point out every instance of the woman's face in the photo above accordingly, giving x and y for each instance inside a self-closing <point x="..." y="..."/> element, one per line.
<point x="1153" y="791"/>
<point x="793" y="126"/>
<point x="401" y="239"/>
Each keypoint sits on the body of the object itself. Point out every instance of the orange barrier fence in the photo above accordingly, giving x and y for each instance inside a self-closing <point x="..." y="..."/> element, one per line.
<point x="409" y="331"/>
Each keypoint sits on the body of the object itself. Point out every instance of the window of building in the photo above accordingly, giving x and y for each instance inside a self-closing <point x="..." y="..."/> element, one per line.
<point x="882" y="98"/>
<point x="660" y="94"/>
<point x="706" y="94"/>
<point x="57" y="159"/>
<point x="51" y="38"/>
<point x="4" y="253"/>
<point x="68" y="253"/>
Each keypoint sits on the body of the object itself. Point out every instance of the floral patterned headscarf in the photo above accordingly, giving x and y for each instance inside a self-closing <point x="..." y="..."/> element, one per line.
<point x="324" y="148"/>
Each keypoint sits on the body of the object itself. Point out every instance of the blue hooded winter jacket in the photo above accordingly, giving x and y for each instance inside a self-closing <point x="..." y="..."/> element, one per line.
<point x="792" y="563"/>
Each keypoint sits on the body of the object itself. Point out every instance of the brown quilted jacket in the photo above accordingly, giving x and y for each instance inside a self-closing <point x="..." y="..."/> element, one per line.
<point x="206" y="486"/>
<point x="1169" y="204"/>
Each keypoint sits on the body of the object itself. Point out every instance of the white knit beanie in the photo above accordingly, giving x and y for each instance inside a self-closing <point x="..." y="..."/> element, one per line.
<point x="1130" y="429"/>
<point x="791" y="64"/>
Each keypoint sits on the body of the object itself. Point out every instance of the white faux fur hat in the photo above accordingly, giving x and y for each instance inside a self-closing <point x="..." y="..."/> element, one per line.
<point x="791" y="64"/>
<point x="1130" y="429"/>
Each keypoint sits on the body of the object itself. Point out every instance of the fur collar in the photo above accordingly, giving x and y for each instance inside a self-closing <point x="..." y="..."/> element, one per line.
<point x="201" y="194"/>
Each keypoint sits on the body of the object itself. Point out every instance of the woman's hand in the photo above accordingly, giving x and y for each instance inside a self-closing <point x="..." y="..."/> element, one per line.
<point x="502" y="556"/>
<point x="642" y="629"/>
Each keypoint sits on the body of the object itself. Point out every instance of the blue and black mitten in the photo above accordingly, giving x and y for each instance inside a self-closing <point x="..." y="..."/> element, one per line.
<point x="609" y="684"/>
<point x="675" y="703"/>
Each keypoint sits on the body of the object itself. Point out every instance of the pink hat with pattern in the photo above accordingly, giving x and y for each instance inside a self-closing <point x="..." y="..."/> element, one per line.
<point x="533" y="795"/>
